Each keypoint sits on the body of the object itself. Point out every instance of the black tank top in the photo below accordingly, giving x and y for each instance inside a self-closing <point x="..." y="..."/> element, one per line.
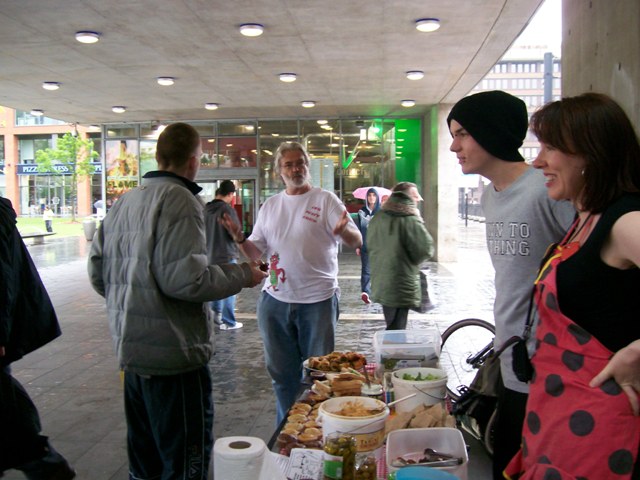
<point x="600" y="298"/>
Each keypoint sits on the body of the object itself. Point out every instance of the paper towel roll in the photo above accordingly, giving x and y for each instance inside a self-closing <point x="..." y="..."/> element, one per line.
<point x="242" y="458"/>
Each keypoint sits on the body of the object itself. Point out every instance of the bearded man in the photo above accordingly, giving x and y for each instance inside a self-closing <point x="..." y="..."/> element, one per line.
<point x="299" y="231"/>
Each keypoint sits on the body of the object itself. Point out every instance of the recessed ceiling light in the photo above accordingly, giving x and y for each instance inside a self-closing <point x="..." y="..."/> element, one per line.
<point x="308" y="103"/>
<point x="408" y="103"/>
<point x="251" y="29"/>
<point x="415" y="74"/>
<point x="166" y="81"/>
<point x="118" y="109"/>
<point x="288" y="77"/>
<point x="36" y="112"/>
<point x="211" y="106"/>
<point x="87" y="36"/>
<point x="51" y="85"/>
<point x="427" y="24"/>
<point x="327" y="127"/>
<point x="323" y="122"/>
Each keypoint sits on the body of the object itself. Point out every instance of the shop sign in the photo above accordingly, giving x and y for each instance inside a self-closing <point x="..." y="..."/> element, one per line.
<point x="32" y="169"/>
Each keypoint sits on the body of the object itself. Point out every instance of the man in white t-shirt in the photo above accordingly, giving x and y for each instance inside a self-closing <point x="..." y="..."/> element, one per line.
<point x="298" y="230"/>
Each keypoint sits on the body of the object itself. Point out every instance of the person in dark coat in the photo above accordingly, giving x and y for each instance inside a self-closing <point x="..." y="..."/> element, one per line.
<point x="27" y="322"/>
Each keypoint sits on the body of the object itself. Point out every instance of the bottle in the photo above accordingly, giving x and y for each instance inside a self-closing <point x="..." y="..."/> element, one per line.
<point x="339" y="456"/>
<point x="373" y="391"/>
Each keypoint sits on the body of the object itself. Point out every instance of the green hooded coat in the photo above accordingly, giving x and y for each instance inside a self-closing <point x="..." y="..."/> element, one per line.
<point x="398" y="243"/>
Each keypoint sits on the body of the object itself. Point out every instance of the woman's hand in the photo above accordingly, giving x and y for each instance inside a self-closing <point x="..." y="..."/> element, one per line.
<point x="624" y="368"/>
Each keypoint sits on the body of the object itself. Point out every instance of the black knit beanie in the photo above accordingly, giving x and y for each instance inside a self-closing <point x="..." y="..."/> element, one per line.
<point x="496" y="120"/>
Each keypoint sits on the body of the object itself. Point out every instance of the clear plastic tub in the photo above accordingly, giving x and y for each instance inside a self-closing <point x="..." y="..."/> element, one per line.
<point x="411" y="443"/>
<point x="397" y="349"/>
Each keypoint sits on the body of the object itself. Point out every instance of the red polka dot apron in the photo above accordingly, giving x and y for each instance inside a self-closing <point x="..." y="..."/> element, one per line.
<point x="572" y="431"/>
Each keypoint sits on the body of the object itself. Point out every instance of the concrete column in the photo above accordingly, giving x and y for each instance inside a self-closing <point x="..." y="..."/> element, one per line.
<point x="600" y="51"/>
<point x="448" y="176"/>
<point x="440" y="183"/>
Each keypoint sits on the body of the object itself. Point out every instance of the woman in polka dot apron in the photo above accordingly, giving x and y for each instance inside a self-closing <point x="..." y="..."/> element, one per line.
<point x="582" y="417"/>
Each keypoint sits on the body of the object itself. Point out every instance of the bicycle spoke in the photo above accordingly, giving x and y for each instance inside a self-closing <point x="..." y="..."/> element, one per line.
<point x="461" y="344"/>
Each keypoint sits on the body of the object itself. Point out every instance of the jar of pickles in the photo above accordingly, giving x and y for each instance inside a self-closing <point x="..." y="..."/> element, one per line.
<point x="366" y="467"/>
<point x="339" y="456"/>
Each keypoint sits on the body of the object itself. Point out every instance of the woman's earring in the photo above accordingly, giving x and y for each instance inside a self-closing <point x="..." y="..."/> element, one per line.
<point x="582" y="172"/>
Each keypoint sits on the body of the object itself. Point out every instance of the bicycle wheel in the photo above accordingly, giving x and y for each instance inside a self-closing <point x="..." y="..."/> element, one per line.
<point x="461" y="344"/>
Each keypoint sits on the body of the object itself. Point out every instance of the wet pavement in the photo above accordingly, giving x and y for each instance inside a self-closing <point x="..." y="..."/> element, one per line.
<point x="75" y="383"/>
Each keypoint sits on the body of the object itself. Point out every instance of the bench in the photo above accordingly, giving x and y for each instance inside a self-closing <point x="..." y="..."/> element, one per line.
<point x="38" y="237"/>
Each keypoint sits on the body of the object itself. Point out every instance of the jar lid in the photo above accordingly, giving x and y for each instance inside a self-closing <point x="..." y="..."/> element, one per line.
<point x="373" y="389"/>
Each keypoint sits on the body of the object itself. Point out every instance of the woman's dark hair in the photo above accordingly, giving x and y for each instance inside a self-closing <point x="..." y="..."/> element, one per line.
<point x="594" y="127"/>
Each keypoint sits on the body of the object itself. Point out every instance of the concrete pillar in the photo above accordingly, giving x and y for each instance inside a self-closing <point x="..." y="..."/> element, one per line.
<point x="440" y="184"/>
<point x="448" y="179"/>
<point x="600" y="51"/>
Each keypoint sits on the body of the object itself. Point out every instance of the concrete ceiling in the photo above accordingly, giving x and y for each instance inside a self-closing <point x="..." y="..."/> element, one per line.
<point x="350" y="56"/>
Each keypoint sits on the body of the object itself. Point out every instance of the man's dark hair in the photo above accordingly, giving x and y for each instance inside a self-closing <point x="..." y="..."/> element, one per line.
<point x="226" y="187"/>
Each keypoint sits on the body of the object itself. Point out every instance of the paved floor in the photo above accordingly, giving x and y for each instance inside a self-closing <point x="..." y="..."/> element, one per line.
<point x="75" y="383"/>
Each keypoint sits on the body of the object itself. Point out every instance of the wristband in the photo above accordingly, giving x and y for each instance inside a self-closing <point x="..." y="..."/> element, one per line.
<point x="244" y="239"/>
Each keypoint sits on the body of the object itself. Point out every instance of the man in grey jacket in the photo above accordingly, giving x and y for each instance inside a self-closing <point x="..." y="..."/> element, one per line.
<point x="149" y="260"/>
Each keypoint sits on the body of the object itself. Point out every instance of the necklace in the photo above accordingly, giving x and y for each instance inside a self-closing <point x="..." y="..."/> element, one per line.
<point x="577" y="228"/>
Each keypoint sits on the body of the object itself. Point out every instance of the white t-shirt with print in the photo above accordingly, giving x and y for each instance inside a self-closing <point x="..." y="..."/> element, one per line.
<point x="295" y="234"/>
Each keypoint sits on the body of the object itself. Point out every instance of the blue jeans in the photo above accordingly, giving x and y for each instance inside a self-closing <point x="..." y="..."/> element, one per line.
<point x="293" y="332"/>
<point x="169" y="425"/>
<point x="365" y="275"/>
<point x="226" y="307"/>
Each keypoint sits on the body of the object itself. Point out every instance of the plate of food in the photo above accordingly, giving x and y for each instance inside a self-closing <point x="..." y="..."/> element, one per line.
<point x="335" y="362"/>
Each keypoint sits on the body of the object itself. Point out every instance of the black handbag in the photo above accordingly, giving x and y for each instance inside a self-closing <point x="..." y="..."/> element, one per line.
<point x="480" y="399"/>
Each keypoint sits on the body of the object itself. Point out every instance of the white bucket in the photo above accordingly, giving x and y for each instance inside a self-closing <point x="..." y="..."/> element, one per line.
<point x="367" y="430"/>
<point x="428" y="392"/>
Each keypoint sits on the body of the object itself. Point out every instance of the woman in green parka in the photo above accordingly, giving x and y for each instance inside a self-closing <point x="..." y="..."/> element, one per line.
<point x="398" y="243"/>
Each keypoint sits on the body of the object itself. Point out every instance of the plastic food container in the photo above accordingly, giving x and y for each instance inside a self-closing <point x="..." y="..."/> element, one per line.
<point x="411" y="443"/>
<point x="396" y="349"/>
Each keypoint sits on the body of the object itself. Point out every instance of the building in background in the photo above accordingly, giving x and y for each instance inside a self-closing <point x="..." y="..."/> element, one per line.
<point x="22" y="134"/>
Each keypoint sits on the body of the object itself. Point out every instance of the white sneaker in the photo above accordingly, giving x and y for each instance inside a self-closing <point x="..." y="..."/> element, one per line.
<point x="224" y="326"/>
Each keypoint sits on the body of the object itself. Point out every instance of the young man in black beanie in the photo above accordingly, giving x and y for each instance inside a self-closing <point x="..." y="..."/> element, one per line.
<point x="487" y="129"/>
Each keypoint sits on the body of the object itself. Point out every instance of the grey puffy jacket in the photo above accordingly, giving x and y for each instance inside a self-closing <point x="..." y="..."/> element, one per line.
<point x="149" y="260"/>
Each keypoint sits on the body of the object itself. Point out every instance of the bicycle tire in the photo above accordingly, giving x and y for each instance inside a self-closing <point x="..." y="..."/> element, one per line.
<point x="456" y="348"/>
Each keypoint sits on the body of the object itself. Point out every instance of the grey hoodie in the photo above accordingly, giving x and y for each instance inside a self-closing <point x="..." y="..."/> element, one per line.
<point x="220" y="245"/>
